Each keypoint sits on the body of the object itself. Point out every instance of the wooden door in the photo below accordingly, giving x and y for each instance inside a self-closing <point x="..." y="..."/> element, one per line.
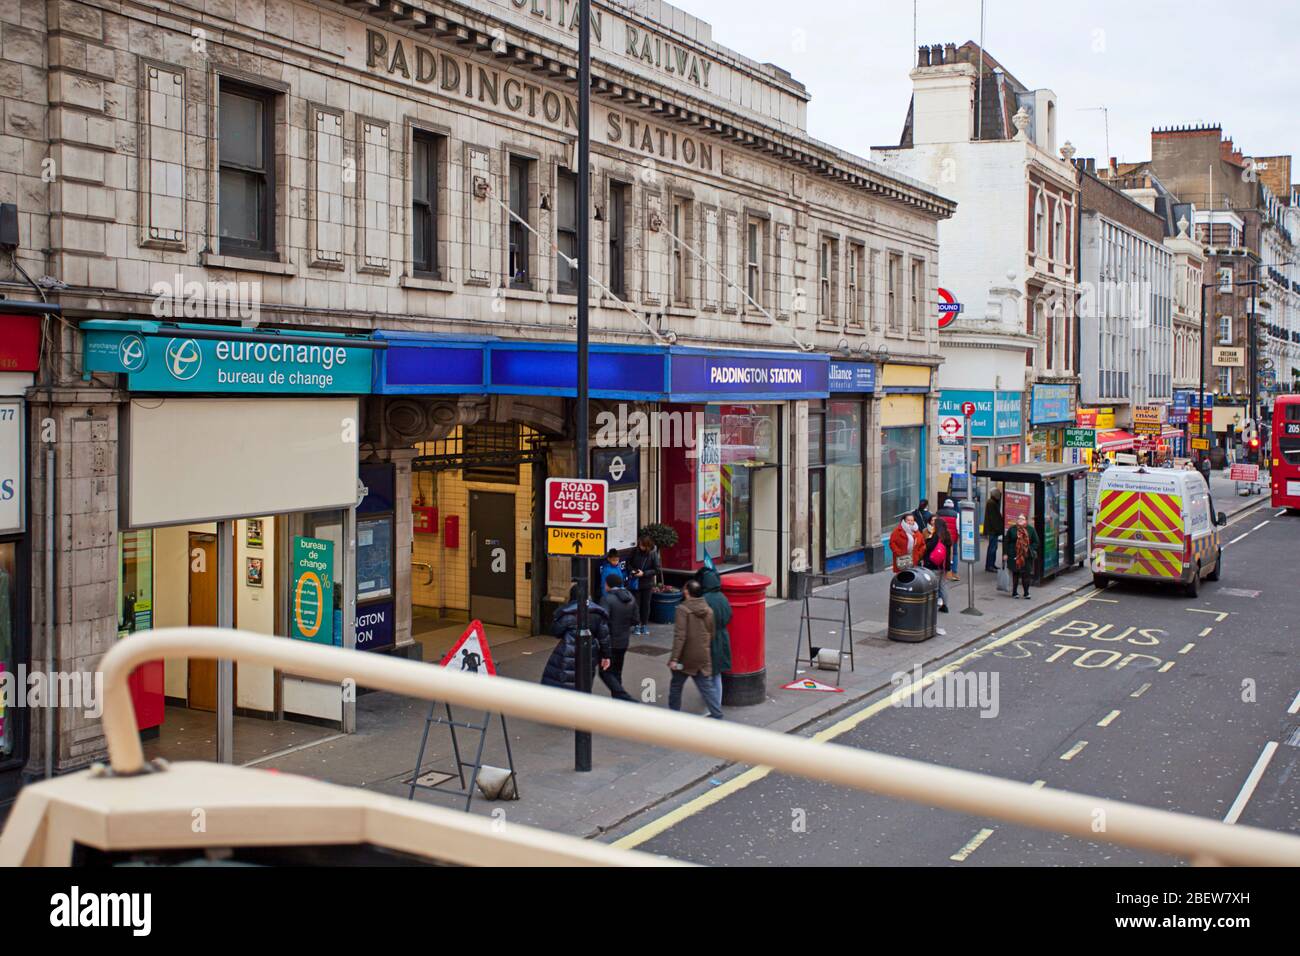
<point x="203" y="613"/>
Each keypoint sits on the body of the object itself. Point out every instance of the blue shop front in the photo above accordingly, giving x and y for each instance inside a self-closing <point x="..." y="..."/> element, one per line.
<point x="689" y="439"/>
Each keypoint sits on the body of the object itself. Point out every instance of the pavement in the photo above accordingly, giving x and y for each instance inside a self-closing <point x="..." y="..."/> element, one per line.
<point x="630" y="781"/>
<point x="1134" y="693"/>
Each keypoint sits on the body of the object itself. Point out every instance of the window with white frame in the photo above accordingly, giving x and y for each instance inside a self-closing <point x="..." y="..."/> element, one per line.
<point x="857" y="256"/>
<point x="916" y="288"/>
<point x="893" y="311"/>
<point x="1040" y="226"/>
<point x="1225" y="329"/>
<point x="828" y="279"/>
<point x="754" y="236"/>
<point x="1058" y="233"/>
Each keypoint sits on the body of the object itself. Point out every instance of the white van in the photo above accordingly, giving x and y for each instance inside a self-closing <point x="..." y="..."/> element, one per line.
<point x="1158" y="524"/>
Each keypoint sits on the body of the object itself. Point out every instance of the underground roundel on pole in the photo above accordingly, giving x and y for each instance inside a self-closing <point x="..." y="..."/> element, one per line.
<point x="949" y="309"/>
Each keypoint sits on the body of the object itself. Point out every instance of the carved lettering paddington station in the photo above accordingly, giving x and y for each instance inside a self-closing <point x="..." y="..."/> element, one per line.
<point x="455" y="77"/>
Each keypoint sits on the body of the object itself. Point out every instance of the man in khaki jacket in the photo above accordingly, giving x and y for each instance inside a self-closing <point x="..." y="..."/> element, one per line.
<point x="692" y="639"/>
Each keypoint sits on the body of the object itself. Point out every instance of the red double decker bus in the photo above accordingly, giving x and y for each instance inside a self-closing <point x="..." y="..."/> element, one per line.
<point x="1286" y="452"/>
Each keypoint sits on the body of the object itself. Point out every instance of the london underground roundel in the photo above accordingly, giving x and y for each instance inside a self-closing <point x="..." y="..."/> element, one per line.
<point x="949" y="308"/>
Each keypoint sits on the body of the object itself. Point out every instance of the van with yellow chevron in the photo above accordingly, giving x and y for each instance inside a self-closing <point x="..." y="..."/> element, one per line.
<point x="1155" y="524"/>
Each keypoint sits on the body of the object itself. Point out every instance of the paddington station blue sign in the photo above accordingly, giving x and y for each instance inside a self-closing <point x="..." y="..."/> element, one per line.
<point x="175" y="357"/>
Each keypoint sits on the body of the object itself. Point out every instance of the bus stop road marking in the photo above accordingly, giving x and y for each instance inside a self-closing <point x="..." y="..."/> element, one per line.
<point x="971" y="846"/>
<point x="1220" y="616"/>
<point x="1141" y="690"/>
<point x="754" y="774"/>
<point x="1108" y="719"/>
<point x="1074" y="751"/>
<point x="1252" y="781"/>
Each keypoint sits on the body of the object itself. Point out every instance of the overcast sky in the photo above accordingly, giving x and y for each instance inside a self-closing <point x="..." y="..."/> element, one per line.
<point x="1153" y="63"/>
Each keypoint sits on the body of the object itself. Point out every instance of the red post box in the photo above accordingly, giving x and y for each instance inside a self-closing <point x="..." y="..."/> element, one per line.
<point x="746" y="682"/>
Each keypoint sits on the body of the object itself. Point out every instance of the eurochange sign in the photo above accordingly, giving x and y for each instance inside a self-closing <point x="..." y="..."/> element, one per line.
<point x="159" y="358"/>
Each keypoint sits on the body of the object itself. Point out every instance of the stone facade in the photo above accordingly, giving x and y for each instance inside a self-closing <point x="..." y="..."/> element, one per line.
<point x="112" y="151"/>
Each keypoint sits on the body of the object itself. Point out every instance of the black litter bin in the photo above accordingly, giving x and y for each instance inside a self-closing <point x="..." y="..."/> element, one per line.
<point x="913" y="605"/>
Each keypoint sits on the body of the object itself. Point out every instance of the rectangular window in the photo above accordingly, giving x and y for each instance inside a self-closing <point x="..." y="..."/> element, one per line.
<point x="615" y="226"/>
<point x="424" y="203"/>
<point x="828" y="272"/>
<point x="1225" y="329"/>
<point x="901" y="473"/>
<point x="844" y="483"/>
<point x="681" y="258"/>
<point x="873" y="310"/>
<point x="246" y="156"/>
<point x="856" y="259"/>
<point x="520" y="174"/>
<point x="566" y="231"/>
<point x="895" y="316"/>
<point x="754" y="261"/>
<point x="917" y="290"/>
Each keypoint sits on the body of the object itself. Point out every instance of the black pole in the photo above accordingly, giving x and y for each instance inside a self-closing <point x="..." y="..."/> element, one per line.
<point x="582" y="739"/>
<point x="1254" y="358"/>
<point x="1200" y="410"/>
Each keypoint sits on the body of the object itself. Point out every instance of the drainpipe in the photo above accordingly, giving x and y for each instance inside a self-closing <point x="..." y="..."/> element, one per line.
<point x="50" y="482"/>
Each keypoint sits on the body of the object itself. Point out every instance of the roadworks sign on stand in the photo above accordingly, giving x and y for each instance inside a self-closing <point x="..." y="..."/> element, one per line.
<point x="807" y="683"/>
<point x="470" y="654"/>
<point x="576" y="542"/>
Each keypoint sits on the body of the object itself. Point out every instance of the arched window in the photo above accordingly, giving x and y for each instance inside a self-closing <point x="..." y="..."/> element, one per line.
<point x="1040" y="226"/>
<point x="1058" y="233"/>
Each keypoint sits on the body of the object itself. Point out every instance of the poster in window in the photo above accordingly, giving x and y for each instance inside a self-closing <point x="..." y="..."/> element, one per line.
<point x="710" y="471"/>
<point x="374" y="558"/>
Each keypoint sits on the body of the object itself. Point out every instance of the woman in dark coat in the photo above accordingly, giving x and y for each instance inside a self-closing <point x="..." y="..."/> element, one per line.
<point x="562" y="666"/>
<point x="720" y="649"/>
<point x="993" y="529"/>
<point x="643" y="569"/>
<point x="1020" y="546"/>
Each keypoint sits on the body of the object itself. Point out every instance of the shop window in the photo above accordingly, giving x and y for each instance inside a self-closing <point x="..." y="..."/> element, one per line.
<point x="8" y="614"/>
<point x="518" y="265"/>
<point x="615" y="228"/>
<point x="566" y="231"/>
<point x="901" y="473"/>
<point x="844" y="529"/>
<point x="816" y="428"/>
<point x="246" y="159"/>
<point x="426" y="149"/>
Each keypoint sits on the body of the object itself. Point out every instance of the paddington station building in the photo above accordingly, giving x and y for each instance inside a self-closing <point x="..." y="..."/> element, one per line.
<point x="289" y="329"/>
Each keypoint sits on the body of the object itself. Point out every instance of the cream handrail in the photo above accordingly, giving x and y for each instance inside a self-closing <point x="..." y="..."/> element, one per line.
<point x="976" y="794"/>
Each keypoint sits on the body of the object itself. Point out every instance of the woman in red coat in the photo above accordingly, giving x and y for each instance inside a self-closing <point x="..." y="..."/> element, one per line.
<point x="906" y="540"/>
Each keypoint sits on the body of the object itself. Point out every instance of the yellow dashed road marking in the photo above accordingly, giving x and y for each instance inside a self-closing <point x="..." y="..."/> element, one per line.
<point x="1141" y="690"/>
<point x="972" y="846"/>
<point x="1106" y="721"/>
<point x="1074" y="751"/>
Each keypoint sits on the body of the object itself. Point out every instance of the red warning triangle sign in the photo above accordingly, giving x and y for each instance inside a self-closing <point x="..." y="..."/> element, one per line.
<point x="807" y="683"/>
<point x="471" y="653"/>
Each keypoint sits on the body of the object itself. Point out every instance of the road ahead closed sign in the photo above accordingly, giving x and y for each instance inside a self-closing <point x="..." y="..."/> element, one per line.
<point x="576" y="502"/>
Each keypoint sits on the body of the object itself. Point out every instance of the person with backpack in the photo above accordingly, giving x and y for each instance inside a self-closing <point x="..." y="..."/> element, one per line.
<point x="951" y="517"/>
<point x="620" y="606"/>
<point x="562" y="666"/>
<point x="937" y="546"/>
<point x="641" y="572"/>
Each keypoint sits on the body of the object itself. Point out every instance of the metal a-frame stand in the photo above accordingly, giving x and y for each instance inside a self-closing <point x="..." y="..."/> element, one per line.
<point x="474" y="765"/>
<point x="807" y="619"/>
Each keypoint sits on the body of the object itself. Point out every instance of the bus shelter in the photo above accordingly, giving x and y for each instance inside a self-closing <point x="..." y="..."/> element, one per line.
<point x="1054" y="497"/>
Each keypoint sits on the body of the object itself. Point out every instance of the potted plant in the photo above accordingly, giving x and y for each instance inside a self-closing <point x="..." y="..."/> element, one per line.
<point x="664" y="536"/>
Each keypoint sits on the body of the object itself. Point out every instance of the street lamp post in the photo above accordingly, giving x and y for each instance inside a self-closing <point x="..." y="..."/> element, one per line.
<point x="582" y="652"/>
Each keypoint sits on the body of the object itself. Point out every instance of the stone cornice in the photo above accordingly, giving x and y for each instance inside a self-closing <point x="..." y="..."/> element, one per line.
<point x="474" y="31"/>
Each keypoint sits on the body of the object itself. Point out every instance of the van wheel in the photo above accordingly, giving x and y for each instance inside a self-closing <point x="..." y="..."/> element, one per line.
<point x="1099" y="582"/>
<point x="1218" y="566"/>
<point x="1194" y="585"/>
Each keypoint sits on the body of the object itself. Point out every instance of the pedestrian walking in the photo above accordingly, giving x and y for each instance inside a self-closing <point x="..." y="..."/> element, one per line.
<point x="642" y="572"/>
<point x="612" y="564"/>
<point x="936" y="557"/>
<point x="562" y="666"/>
<point x="1021" y="549"/>
<point x="993" y="529"/>
<point x="720" y="648"/>
<point x="951" y="517"/>
<point x="693" y="631"/>
<point x="620" y="606"/>
<point x="906" y="543"/>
